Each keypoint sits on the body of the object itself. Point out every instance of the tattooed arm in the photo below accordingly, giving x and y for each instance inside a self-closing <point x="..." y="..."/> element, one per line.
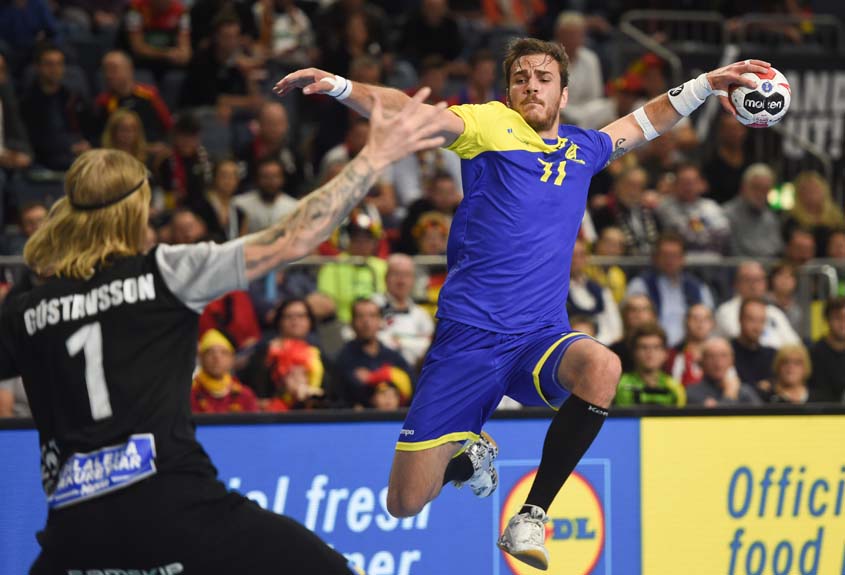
<point x="313" y="220"/>
<point x="627" y="134"/>
<point x="414" y="128"/>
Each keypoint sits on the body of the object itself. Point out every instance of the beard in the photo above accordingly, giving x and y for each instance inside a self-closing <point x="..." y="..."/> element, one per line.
<point x="540" y="120"/>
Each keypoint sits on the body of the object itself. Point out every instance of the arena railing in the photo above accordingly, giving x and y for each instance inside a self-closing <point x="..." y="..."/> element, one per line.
<point x="821" y="32"/>
<point x="690" y="30"/>
<point x="817" y="280"/>
<point x="679" y="29"/>
<point x="650" y="44"/>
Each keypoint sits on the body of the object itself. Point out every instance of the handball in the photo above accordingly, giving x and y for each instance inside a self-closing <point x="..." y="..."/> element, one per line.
<point x="764" y="105"/>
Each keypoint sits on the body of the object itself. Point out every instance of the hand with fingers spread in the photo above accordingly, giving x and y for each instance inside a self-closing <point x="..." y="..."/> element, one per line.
<point x="310" y="81"/>
<point x="414" y="128"/>
<point x="723" y="78"/>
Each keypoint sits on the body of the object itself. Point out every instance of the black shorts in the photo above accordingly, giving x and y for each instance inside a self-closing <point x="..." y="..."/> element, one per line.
<point x="179" y="525"/>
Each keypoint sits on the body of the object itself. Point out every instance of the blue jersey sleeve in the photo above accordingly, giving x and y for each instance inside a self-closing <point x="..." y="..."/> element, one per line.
<point x="603" y="149"/>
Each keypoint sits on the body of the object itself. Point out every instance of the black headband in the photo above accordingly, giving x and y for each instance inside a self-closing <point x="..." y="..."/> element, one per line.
<point x="107" y="203"/>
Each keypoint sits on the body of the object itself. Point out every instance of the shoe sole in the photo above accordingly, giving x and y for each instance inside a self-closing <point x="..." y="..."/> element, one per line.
<point x="532" y="557"/>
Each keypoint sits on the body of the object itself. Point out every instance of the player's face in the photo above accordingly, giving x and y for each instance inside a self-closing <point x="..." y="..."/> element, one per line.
<point x="535" y="92"/>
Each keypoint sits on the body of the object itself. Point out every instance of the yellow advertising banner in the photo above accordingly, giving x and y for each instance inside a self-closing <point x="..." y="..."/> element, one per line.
<point x="743" y="495"/>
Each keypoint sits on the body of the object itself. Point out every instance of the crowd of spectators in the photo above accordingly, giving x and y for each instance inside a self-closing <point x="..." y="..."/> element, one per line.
<point x="185" y="88"/>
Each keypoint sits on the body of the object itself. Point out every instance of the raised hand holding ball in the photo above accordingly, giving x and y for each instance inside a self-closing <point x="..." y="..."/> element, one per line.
<point x="765" y="105"/>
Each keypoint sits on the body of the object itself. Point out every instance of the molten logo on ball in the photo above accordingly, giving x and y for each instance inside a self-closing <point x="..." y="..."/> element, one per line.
<point x="764" y="105"/>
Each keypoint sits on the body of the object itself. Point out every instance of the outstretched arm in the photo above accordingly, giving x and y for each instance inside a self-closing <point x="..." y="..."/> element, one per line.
<point x="360" y="96"/>
<point x="391" y="139"/>
<point x="659" y="115"/>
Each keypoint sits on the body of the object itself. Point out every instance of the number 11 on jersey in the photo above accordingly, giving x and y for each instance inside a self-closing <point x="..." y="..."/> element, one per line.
<point x="547" y="171"/>
<point x="89" y="340"/>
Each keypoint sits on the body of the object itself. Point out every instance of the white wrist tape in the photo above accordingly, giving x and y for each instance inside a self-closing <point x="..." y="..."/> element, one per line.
<point x="645" y="124"/>
<point x="687" y="97"/>
<point x="341" y="87"/>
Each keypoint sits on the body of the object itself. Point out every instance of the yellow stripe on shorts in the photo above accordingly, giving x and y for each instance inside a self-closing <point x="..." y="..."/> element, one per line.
<point x="541" y="362"/>
<point x="442" y="440"/>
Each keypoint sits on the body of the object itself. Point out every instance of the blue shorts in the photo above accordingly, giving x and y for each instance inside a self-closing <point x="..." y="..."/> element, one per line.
<point x="468" y="370"/>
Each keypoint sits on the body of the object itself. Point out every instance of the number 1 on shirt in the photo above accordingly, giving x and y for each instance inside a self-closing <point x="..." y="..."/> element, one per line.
<point x="89" y="340"/>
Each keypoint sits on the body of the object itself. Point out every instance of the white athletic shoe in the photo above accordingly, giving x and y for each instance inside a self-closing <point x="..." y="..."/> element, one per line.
<point x="525" y="536"/>
<point x="482" y="452"/>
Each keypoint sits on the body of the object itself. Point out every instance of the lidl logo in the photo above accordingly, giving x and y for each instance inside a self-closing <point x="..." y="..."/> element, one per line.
<point x="575" y="532"/>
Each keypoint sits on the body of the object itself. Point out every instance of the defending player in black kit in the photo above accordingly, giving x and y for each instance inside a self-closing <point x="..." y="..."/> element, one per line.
<point x="106" y="347"/>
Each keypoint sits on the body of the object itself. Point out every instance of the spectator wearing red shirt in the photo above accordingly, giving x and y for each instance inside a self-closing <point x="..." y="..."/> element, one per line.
<point x="123" y="92"/>
<point x="215" y="389"/>
<point x="158" y="33"/>
<point x="234" y="315"/>
<point x="684" y="360"/>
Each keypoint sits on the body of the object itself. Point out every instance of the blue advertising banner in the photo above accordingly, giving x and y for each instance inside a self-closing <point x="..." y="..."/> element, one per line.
<point x="333" y="476"/>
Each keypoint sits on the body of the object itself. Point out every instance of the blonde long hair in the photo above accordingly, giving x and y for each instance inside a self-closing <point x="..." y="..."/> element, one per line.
<point x="831" y="216"/>
<point x="73" y="242"/>
<point x="139" y="148"/>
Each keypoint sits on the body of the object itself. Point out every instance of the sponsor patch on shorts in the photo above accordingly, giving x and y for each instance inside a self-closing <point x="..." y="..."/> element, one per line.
<point x="87" y="475"/>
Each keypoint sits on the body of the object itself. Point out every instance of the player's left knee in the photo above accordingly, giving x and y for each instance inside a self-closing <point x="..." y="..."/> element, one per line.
<point x="602" y="375"/>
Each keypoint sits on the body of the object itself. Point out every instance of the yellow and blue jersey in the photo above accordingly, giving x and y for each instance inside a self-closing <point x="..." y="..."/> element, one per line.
<point x="512" y="237"/>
